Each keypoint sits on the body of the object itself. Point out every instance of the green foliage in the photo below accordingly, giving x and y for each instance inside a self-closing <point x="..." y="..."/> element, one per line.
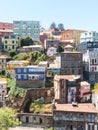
<point x="21" y="57"/>
<point x="37" y="107"/>
<point x="41" y="58"/>
<point x="12" y="53"/>
<point x="2" y="72"/>
<point x="96" y="86"/>
<point x="36" y="57"/>
<point x="8" y="118"/>
<point x="14" y="90"/>
<point x="26" y="41"/>
<point x="60" y="49"/>
<point x="95" y="90"/>
<point x="49" y="82"/>
<point x="51" y="128"/>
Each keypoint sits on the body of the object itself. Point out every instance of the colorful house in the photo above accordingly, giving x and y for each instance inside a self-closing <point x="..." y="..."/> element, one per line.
<point x="11" y="65"/>
<point x="10" y="42"/>
<point x="85" y="93"/>
<point x="30" y="76"/>
<point x="66" y="88"/>
<point x="51" y="72"/>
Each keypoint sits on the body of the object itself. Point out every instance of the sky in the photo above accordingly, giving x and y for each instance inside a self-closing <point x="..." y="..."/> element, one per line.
<point x="74" y="14"/>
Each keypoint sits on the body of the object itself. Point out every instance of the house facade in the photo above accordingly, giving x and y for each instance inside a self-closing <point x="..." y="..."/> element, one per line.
<point x="51" y="43"/>
<point x="51" y="51"/>
<point x="75" y="117"/>
<point x="36" y="120"/>
<point x="6" y="29"/>
<point x="10" y="42"/>
<point x="26" y="49"/>
<point x="66" y="88"/>
<point x="71" y="35"/>
<point x="91" y="62"/>
<point x="70" y="63"/>
<point x="30" y="76"/>
<point x="91" y="36"/>
<point x="85" y="91"/>
<point x="3" y="60"/>
<point x="3" y="89"/>
<point x="27" y="29"/>
<point x="11" y="65"/>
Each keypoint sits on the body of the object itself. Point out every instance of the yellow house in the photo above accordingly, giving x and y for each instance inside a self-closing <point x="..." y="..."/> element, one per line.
<point x="10" y="42"/>
<point x="11" y="65"/>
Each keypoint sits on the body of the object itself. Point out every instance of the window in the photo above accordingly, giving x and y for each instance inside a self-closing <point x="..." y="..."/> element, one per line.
<point x="18" y="70"/>
<point x="24" y="70"/>
<point x="19" y="76"/>
<point x="12" y="41"/>
<point x="5" y="41"/>
<point x="41" y="121"/>
<point x="5" y="46"/>
<point x="34" y="118"/>
<point x="27" y="119"/>
<point x="12" y="47"/>
<point x="25" y="76"/>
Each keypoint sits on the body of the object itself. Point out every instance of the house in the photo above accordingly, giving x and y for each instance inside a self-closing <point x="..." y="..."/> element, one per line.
<point x="30" y="76"/>
<point x="27" y="29"/>
<point x="71" y="35"/>
<point x="36" y="120"/>
<point x="6" y="29"/>
<point x="90" y="59"/>
<point x="70" y="62"/>
<point x="51" y="51"/>
<point x="10" y="42"/>
<point x="82" y="47"/>
<point x="3" y="89"/>
<point x="85" y="92"/>
<point x="43" y="63"/>
<point x="3" y="60"/>
<point x="43" y="37"/>
<point x="66" y="88"/>
<point x="11" y="65"/>
<point x="75" y="116"/>
<point x="31" y="48"/>
<point x="51" y="43"/>
<point x="87" y="36"/>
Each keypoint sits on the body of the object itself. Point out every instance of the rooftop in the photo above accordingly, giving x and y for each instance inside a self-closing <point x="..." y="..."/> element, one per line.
<point x="84" y="83"/>
<point x="33" y="46"/>
<point x="68" y="46"/>
<point x="17" y="61"/>
<point x="26" y="128"/>
<point x="81" y="107"/>
<point x="4" y="57"/>
<point x="3" y="81"/>
<point x="67" y="77"/>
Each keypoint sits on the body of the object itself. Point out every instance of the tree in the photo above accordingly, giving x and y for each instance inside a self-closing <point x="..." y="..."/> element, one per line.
<point x="61" y="26"/>
<point x="8" y="118"/>
<point x="12" y="53"/>
<point x="53" y="25"/>
<point x="26" y="41"/>
<point x="60" y="49"/>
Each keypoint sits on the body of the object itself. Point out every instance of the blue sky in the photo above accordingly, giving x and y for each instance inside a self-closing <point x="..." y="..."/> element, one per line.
<point x="74" y="14"/>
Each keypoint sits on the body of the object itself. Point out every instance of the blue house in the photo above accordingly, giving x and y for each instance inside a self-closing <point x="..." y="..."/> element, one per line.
<point x="30" y="76"/>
